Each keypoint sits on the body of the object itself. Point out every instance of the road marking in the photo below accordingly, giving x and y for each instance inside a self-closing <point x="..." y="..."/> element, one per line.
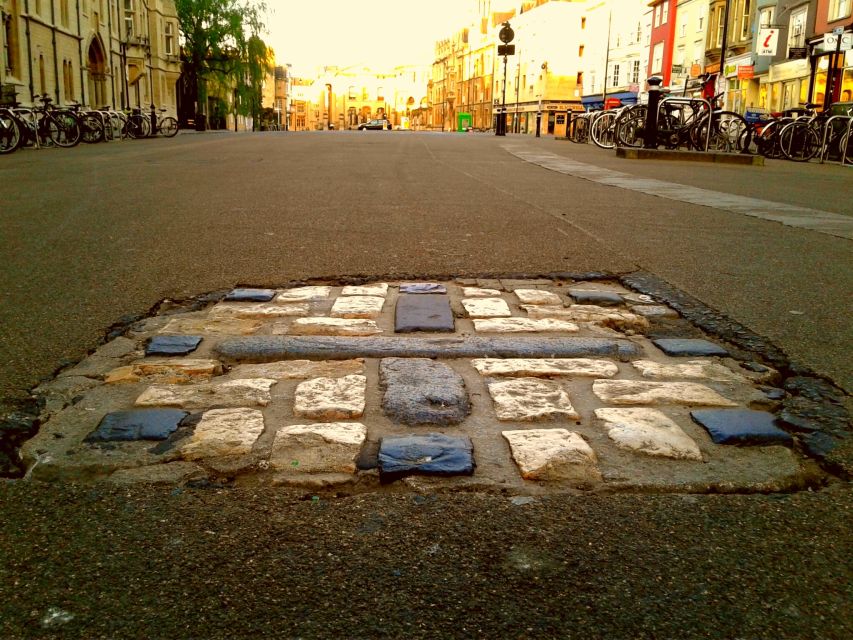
<point x="833" y="224"/>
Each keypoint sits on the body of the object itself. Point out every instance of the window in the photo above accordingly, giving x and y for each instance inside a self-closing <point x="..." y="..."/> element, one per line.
<point x="765" y="18"/>
<point x="615" y="75"/>
<point x="635" y="72"/>
<point x="684" y="27"/>
<point x="657" y="58"/>
<point x="580" y="51"/>
<point x="639" y="32"/>
<point x="170" y="38"/>
<point x="838" y="9"/>
<point x="703" y="13"/>
<point x="715" y="28"/>
<point x="665" y="12"/>
<point x="9" y="44"/>
<point x="745" y="27"/>
<point x="657" y="16"/>
<point x="579" y="78"/>
<point x="797" y="29"/>
<point x="63" y="13"/>
<point x="128" y="18"/>
<point x="583" y="23"/>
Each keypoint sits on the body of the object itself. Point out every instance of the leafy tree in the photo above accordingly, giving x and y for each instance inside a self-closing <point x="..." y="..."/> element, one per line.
<point x="222" y="48"/>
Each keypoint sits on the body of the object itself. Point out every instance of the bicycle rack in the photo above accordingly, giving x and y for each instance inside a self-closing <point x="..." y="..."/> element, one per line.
<point x="690" y="101"/>
<point x="847" y="142"/>
<point x="824" y="151"/>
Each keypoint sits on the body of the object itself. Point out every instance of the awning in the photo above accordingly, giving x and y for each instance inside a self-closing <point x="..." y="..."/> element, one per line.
<point x="597" y="101"/>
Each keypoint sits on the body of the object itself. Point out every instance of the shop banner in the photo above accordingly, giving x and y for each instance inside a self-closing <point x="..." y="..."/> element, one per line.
<point x="746" y="72"/>
<point x="768" y="39"/>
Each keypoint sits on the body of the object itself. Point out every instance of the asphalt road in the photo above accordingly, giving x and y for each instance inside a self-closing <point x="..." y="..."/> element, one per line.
<point x="93" y="234"/>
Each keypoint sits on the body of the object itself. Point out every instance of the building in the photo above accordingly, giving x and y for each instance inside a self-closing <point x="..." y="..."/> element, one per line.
<point x="613" y="66"/>
<point x="832" y="53"/>
<point x="788" y="77"/>
<point x="662" y="39"/>
<point x="117" y="53"/>
<point x="688" y="58"/>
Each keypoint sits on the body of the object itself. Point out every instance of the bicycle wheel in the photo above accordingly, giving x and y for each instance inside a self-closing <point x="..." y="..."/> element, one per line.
<point x="10" y="133"/>
<point x="92" y="129"/>
<point x="734" y="132"/>
<point x="138" y="126"/>
<point x="602" y="130"/>
<point x="169" y="127"/>
<point x="798" y="141"/>
<point x="630" y="126"/>
<point x="64" y="129"/>
<point x="845" y="148"/>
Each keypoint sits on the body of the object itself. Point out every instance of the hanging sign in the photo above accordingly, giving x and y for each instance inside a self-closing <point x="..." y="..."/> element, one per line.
<point x="768" y="39"/>
<point x="745" y="71"/>
<point x="831" y="41"/>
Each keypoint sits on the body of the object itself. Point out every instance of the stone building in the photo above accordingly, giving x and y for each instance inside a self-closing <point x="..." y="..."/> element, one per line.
<point x="121" y="53"/>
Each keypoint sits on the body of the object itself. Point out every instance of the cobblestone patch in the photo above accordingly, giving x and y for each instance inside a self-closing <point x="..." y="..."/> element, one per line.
<point x="323" y="384"/>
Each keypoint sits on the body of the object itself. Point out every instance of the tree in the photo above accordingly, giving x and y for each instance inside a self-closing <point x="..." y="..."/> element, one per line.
<point x="222" y="46"/>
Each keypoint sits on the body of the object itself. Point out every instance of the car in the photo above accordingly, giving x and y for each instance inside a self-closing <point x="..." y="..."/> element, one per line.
<point x="378" y="125"/>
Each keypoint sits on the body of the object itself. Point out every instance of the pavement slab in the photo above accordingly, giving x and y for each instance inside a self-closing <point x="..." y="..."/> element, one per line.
<point x="438" y="410"/>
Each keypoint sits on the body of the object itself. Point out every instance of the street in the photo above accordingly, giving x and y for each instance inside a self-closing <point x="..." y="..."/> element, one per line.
<point x="97" y="236"/>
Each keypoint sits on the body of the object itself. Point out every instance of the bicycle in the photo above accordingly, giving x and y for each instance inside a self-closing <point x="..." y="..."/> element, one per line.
<point x="166" y="125"/>
<point x="11" y="132"/>
<point x="802" y="139"/>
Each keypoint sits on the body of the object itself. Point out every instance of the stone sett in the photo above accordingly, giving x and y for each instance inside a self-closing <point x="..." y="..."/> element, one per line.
<point x="523" y="325"/>
<point x="357" y="307"/>
<point x="629" y="405"/>
<point x="530" y="399"/>
<point x="486" y="308"/>
<point x="330" y="447"/>
<point x="330" y="398"/>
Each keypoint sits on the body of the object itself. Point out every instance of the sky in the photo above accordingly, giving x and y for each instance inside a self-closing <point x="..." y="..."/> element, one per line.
<point x="313" y="33"/>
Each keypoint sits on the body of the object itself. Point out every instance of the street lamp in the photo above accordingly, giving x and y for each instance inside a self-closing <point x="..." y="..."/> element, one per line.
<point x="539" y="110"/>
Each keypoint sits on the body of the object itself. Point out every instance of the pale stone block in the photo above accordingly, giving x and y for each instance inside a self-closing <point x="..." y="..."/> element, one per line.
<point x="221" y="326"/>
<point x="330" y="447"/>
<point x="603" y="316"/>
<point x="377" y="289"/>
<point x="358" y="307"/>
<point x="523" y="325"/>
<point x="299" y="369"/>
<point x="259" y="310"/>
<point x="304" y="294"/>
<point x="331" y="398"/>
<point x="486" y="307"/>
<point x="654" y="311"/>
<point x="635" y="392"/>
<point x="537" y="296"/>
<point x="528" y="399"/>
<point x="690" y="370"/>
<point x="648" y="431"/>
<point x="234" y="393"/>
<point x="477" y="292"/>
<point x="166" y="371"/>
<point x="224" y="432"/>
<point x="554" y="454"/>
<point x="545" y="367"/>
<point x="333" y="327"/>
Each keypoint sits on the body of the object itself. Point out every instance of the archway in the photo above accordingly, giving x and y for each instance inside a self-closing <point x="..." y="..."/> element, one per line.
<point x="97" y="67"/>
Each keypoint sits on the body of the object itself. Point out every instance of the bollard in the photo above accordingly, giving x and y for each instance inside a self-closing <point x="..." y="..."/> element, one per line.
<point x="650" y="131"/>
<point x="538" y="123"/>
<point x="153" y="120"/>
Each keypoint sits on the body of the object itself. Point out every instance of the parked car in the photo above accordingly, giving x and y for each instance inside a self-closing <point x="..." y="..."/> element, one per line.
<point x="378" y="125"/>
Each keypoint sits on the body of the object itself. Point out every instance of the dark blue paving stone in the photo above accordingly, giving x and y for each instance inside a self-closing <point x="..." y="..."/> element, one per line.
<point x="423" y="312"/>
<point x="137" y="424"/>
<point x="423" y="287"/>
<point x="251" y="295"/>
<point x="431" y="454"/>
<point x="773" y="393"/>
<point x="172" y="345"/>
<point x="600" y="298"/>
<point x="422" y="391"/>
<point x="272" y="348"/>
<point x="680" y="347"/>
<point x="740" y="426"/>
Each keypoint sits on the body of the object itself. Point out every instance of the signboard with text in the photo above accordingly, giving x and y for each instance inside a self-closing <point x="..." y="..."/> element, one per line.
<point x="745" y="72"/>
<point x="768" y="39"/>
<point x="837" y="41"/>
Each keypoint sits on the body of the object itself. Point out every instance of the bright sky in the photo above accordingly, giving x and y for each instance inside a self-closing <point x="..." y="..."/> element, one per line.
<point x="312" y="33"/>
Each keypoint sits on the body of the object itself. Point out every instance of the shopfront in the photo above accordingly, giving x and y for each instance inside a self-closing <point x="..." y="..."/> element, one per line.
<point x="837" y="70"/>
<point x="742" y="87"/>
<point x="787" y="85"/>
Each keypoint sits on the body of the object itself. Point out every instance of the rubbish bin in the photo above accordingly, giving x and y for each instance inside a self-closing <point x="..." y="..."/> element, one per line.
<point x="200" y="122"/>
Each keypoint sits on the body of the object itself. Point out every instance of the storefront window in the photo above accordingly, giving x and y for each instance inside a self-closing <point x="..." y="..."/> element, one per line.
<point x="847" y="86"/>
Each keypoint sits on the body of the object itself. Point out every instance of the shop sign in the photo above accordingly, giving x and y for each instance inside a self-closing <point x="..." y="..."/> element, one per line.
<point x="830" y="41"/>
<point x="768" y="39"/>
<point x="798" y="53"/>
<point x="731" y="70"/>
<point x="745" y="71"/>
<point x="695" y="71"/>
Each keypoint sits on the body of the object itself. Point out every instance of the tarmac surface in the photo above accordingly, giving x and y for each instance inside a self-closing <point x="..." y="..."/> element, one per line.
<point x="95" y="235"/>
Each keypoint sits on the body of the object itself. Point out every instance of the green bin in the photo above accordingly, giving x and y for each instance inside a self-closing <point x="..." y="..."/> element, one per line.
<point x="463" y="121"/>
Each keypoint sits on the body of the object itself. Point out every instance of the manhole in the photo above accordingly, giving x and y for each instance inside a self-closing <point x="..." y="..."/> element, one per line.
<point x="522" y="386"/>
